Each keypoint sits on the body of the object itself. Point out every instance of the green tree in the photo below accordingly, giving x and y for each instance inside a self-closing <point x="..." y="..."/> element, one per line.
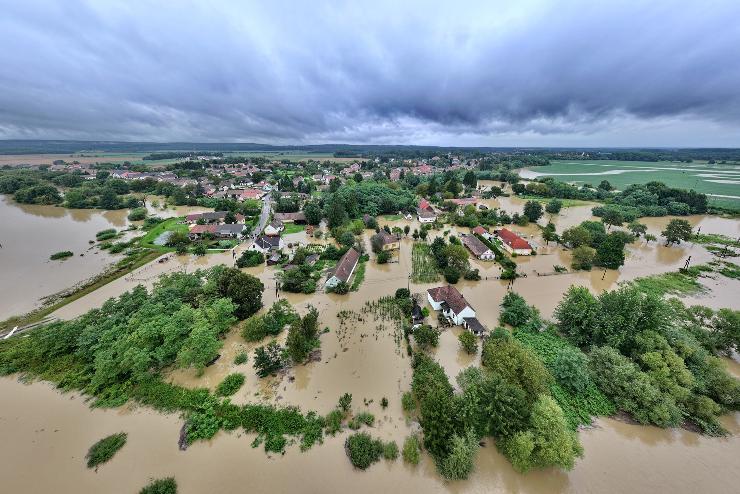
<point x="637" y="228"/>
<point x="610" y="252"/>
<point x="268" y="359"/>
<point x="554" y="206"/>
<point x="517" y="364"/>
<point x="570" y="369"/>
<point x="200" y="347"/>
<point x="677" y="230"/>
<point x="577" y="236"/>
<point x="243" y="289"/>
<point x="583" y="257"/>
<point x="533" y="210"/>
<point x="426" y="336"/>
<point x="468" y="342"/>
<point x="547" y="443"/>
<point x="577" y="315"/>
<point x="470" y="180"/>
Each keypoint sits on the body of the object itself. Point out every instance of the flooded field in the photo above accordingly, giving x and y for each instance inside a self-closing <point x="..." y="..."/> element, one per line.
<point x="363" y="353"/>
<point x="31" y="233"/>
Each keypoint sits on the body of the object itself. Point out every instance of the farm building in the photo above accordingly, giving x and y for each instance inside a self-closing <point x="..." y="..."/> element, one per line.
<point x="513" y="243"/>
<point x="344" y="268"/>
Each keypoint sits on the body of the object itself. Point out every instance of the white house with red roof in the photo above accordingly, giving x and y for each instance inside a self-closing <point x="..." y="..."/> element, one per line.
<point x="513" y="243"/>
<point x="455" y="308"/>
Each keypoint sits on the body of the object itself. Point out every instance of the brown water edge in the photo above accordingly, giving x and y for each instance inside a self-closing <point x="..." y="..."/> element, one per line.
<point x="46" y="435"/>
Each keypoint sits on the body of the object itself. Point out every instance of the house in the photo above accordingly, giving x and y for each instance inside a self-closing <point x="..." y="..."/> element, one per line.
<point x="451" y="302"/>
<point x="267" y="244"/>
<point x="312" y="259"/>
<point x="479" y="230"/>
<point x="344" y="268"/>
<point x="219" y="231"/>
<point x="274" y="227"/>
<point x="513" y="243"/>
<point x="473" y="325"/>
<point x="426" y="216"/>
<point x="425" y="205"/>
<point x="298" y="218"/>
<point x="477" y="248"/>
<point x="389" y="241"/>
<point x="395" y="174"/>
<point x="251" y="194"/>
<point x="211" y="217"/>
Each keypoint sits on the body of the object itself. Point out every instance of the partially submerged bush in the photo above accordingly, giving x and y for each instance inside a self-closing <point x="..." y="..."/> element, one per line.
<point x="363" y="450"/>
<point x="61" y="255"/>
<point x="103" y="450"/>
<point x="412" y="450"/>
<point x="230" y="384"/>
<point x="161" y="486"/>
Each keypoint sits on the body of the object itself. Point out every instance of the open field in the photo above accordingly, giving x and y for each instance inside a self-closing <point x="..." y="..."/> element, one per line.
<point x="720" y="182"/>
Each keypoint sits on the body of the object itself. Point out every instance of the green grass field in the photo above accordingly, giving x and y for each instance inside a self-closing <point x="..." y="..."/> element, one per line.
<point x="715" y="180"/>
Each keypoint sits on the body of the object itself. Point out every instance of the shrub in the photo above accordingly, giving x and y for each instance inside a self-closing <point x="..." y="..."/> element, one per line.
<point x="103" y="450"/>
<point x="105" y="234"/>
<point x="61" y="255"/>
<point x="363" y="450"/>
<point x="250" y="258"/>
<point x="161" y="486"/>
<point x="468" y="342"/>
<point x="426" y="336"/>
<point x="345" y="402"/>
<point x="334" y="421"/>
<point x="366" y="418"/>
<point x="241" y="358"/>
<point x="472" y="275"/>
<point x="407" y="401"/>
<point x="452" y="275"/>
<point x="412" y="450"/>
<point x="383" y="257"/>
<point x="390" y="451"/>
<point x="384" y="402"/>
<point x="459" y="463"/>
<point x="268" y="359"/>
<point x="403" y="293"/>
<point x="254" y="328"/>
<point x="340" y="288"/>
<point x="230" y="384"/>
<point x="137" y="214"/>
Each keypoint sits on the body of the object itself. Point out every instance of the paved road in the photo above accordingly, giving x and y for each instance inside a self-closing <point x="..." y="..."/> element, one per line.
<point x="264" y="215"/>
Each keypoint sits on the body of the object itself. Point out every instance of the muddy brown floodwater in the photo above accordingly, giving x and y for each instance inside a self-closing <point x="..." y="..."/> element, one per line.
<point x="365" y="355"/>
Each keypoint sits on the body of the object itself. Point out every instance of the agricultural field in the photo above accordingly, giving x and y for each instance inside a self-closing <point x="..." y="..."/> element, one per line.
<point x="719" y="181"/>
<point x="424" y="270"/>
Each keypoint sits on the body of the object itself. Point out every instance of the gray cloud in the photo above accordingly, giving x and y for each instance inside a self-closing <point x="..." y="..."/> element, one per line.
<point x="478" y="73"/>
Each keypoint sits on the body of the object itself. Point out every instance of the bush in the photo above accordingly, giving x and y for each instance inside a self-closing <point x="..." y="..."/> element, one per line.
<point x="407" y="401"/>
<point x="366" y="418"/>
<point x="345" y="402"/>
<point x="452" y="275"/>
<point x="161" y="486"/>
<point x="426" y="336"/>
<point x="340" y="288"/>
<point x="334" y="421"/>
<point x="268" y="359"/>
<point x="403" y="293"/>
<point x="412" y="450"/>
<point x="384" y="402"/>
<point x="468" y="342"/>
<point x="383" y="257"/>
<point x="254" y="328"/>
<point x="230" y="384"/>
<point x="61" y="255"/>
<point x="459" y="463"/>
<point x="390" y="451"/>
<point x="241" y="358"/>
<point x="105" y="234"/>
<point x="103" y="450"/>
<point x="472" y="275"/>
<point x="363" y="450"/>
<point x="137" y="214"/>
<point x="250" y="258"/>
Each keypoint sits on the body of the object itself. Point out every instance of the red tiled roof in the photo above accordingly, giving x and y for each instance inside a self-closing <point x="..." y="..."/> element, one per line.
<point x="513" y="240"/>
<point x="424" y="204"/>
<point x="200" y="229"/>
<point x="450" y="295"/>
<point x="479" y="230"/>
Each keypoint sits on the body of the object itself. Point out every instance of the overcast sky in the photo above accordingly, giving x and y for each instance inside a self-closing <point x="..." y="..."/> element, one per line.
<point x="493" y="73"/>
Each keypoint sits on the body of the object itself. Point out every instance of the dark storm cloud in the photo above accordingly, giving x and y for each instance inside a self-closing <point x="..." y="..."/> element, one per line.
<point x="478" y="72"/>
